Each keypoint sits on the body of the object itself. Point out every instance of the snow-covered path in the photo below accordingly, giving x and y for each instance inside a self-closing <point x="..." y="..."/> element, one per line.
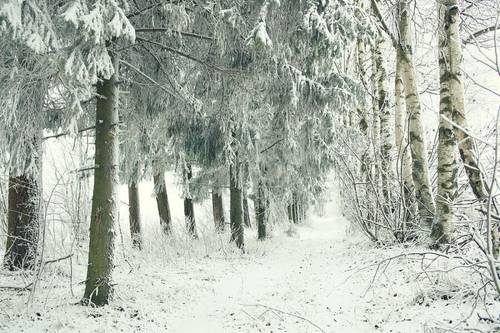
<point x="300" y="275"/>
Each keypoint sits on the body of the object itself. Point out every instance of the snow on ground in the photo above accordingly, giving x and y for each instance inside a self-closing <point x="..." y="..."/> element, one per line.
<point x="313" y="278"/>
<point x="299" y="283"/>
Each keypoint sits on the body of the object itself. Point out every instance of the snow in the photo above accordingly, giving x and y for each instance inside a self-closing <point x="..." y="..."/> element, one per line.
<point x="310" y="278"/>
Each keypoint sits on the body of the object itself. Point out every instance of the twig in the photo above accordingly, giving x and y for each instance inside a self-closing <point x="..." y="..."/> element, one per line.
<point x="183" y="33"/>
<point x="288" y="313"/>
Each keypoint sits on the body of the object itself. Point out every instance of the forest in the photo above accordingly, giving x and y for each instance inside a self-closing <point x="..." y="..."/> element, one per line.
<point x="250" y="166"/>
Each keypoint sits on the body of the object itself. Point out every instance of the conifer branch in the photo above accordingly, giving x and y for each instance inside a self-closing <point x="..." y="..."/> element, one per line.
<point x="182" y="33"/>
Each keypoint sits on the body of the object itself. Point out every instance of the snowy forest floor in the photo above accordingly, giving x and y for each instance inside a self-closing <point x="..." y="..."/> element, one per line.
<point x="318" y="277"/>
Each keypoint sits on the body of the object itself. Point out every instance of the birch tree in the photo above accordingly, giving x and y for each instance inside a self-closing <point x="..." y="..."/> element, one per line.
<point x="444" y="227"/>
<point x="417" y="139"/>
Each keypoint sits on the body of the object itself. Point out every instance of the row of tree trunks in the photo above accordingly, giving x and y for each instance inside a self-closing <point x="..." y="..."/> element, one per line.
<point x="296" y="211"/>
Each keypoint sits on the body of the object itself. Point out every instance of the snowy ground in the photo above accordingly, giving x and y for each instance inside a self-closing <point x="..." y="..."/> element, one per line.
<point x="306" y="282"/>
<point x="317" y="277"/>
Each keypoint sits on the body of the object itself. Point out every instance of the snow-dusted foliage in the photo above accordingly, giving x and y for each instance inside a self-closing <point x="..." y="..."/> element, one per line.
<point x="276" y="105"/>
<point x="97" y="25"/>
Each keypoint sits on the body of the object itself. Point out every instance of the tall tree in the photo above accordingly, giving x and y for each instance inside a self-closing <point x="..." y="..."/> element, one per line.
<point x="417" y="140"/>
<point x="442" y="231"/>
<point x="404" y="158"/>
<point x="386" y="122"/>
<point x="98" y="287"/>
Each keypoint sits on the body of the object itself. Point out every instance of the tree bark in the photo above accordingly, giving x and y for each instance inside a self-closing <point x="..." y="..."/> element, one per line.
<point x="162" y="200"/>
<point x="408" y="200"/>
<point x="189" y="207"/>
<point x="246" y="212"/>
<point x="98" y="287"/>
<point x="261" y="212"/>
<point x="466" y="144"/>
<point x="236" y="213"/>
<point x="134" y="214"/>
<point x="218" y="210"/>
<point x="24" y="138"/>
<point x="386" y="125"/>
<point x="364" y="126"/>
<point x="418" y="147"/>
<point x="375" y="133"/>
<point x="22" y="222"/>
<point x="442" y="231"/>
<point x="289" y="210"/>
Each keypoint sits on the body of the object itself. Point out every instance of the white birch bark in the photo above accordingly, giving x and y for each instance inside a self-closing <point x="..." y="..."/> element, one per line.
<point x="418" y="147"/>
<point x="387" y="165"/>
<point x="404" y="162"/>
<point x="442" y="231"/>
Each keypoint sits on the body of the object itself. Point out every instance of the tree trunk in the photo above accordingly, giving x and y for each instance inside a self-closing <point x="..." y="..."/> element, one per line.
<point x="408" y="200"/>
<point x="261" y="212"/>
<point x="364" y="123"/>
<point x="246" y="212"/>
<point x="418" y="148"/>
<point x="361" y="107"/>
<point x="442" y="231"/>
<point x="134" y="212"/>
<point x="375" y="133"/>
<point x="236" y="214"/>
<point x="218" y="210"/>
<point x="162" y="200"/>
<point x="386" y="125"/>
<point x="466" y="144"/>
<point x="22" y="222"/>
<point x="98" y="288"/>
<point x="188" y="206"/>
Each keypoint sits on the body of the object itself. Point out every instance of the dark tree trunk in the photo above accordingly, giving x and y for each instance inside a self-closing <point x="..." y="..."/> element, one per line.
<point x="246" y="212"/>
<point x="189" y="208"/>
<point x="236" y="213"/>
<point x="162" y="201"/>
<point x="98" y="287"/>
<point x="22" y="222"/>
<point x="218" y="210"/>
<point x="294" y="212"/>
<point x="134" y="212"/>
<point x="261" y="212"/>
